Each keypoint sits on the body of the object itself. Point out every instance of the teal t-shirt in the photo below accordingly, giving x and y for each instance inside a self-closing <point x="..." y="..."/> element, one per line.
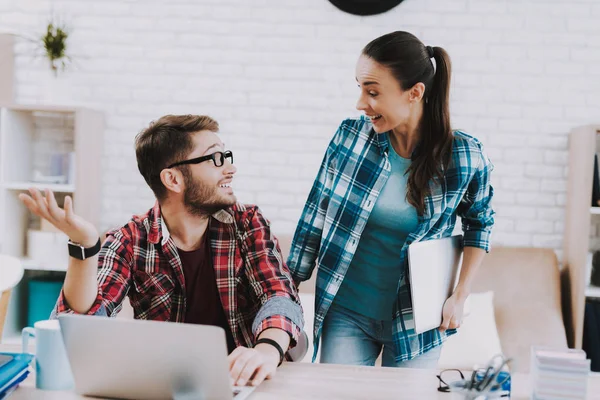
<point x="371" y="282"/>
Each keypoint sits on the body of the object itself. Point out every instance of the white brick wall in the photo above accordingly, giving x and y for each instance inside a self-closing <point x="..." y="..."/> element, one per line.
<point x="279" y="77"/>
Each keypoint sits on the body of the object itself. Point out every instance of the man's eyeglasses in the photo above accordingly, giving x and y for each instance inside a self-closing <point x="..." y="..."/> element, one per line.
<point x="218" y="159"/>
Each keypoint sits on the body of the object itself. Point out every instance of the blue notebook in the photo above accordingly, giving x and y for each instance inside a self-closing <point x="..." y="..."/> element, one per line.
<point x="14" y="368"/>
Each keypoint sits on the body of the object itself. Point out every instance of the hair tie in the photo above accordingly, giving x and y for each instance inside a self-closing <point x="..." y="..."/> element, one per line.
<point x="431" y="58"/>
<point x="429" y="51"/>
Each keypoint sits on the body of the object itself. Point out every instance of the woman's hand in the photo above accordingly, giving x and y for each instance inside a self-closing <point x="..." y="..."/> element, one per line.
<point x="452" y="313"/>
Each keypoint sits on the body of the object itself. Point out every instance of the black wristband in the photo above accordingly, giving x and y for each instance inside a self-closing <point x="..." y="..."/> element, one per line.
<point x="80" y="252"/>
<point x="274" y="344"/>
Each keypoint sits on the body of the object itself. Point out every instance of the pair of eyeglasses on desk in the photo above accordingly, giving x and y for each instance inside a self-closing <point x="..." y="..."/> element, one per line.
<point x="483" y="381"/>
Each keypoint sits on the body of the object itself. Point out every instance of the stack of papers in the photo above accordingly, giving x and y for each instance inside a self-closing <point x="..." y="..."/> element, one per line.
<point x="558" y="374"/>
<point x="14" y="368"/>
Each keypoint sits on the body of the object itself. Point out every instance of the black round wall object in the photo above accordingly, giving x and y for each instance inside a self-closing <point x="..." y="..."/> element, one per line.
<point x="365" y="7"/>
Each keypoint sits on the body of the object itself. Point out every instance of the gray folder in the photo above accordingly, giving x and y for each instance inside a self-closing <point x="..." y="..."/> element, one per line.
<point x="434" y="268"/>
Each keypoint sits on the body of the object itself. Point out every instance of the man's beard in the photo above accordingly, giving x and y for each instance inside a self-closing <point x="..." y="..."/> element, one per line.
<point x="202" y="200"/>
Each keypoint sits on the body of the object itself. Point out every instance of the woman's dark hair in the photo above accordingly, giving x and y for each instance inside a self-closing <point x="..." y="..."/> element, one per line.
<point x="166" y="141"/>
<point x="409" y="60"/>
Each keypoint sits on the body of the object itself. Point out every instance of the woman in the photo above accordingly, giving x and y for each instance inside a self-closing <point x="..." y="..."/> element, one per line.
<point x="395" y="176"/>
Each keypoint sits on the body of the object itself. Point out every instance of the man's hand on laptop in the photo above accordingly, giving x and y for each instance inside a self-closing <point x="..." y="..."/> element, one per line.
<point x="76" y="228"/>
<point x="252" y="366"/>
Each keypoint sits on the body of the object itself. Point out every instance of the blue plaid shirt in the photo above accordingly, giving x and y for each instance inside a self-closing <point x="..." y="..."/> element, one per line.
<point x="353" y="173"/>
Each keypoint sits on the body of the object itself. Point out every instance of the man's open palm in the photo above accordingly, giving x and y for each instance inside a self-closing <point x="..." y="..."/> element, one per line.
<point x="76" y="228"/>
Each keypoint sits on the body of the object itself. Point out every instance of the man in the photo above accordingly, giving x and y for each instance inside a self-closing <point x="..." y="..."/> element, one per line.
<point x="196" y="257"/>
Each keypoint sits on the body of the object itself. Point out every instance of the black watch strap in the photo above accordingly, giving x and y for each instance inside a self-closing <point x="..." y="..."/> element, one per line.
<point x="79" y="252"/>
<point x="274" y="344"/>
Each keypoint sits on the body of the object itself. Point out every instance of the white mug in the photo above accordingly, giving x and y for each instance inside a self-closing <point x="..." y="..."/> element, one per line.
<point x="52" y="368"/>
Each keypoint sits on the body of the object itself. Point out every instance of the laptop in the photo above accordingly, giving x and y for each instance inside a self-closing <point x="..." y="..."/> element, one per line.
<point x="434" y="269"/>
<point x="135" y="359"/>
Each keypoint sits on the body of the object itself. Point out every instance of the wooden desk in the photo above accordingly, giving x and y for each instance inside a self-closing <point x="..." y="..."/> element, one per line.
<point x="319" y="381"/>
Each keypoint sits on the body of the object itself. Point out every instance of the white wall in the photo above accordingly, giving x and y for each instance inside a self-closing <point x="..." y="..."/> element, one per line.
<point x="279" y="77"/>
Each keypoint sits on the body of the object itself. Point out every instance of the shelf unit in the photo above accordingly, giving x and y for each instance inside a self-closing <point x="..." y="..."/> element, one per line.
<point x="592" y="292"/>
<point x="7" y="67"/>
<point x="584" y="142"/>
<point x="55" y="187"/>
<point x="29" y="134"/>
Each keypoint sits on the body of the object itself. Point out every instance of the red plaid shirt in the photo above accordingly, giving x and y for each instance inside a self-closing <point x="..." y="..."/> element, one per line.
<point x="140" y="261"/>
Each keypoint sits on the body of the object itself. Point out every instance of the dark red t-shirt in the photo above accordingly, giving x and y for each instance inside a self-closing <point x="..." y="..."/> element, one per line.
<point x="201" y="293"/>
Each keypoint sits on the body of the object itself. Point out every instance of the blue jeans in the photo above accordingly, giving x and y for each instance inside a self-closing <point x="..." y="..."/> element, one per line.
<point x="350" y="338"/>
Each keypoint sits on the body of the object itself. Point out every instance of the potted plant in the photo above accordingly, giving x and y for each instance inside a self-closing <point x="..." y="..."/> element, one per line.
<point x="54" y="42"/>
<point x="52" y="45"/>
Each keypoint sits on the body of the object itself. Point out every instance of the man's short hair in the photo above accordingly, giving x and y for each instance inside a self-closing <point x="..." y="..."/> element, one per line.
<point x="166" y="141"/>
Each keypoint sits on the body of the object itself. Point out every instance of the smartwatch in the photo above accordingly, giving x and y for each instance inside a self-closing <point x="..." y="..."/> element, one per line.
<point x="79" y="252"/>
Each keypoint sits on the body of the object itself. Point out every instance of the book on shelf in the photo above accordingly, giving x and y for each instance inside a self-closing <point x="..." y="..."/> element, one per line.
<point x="596" y="184"/>
<point x="61" y="170"/>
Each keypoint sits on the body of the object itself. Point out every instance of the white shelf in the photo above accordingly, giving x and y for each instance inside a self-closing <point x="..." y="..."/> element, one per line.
<point x="592" y="292"/>
<point x="42" y="108"/>
<point x="22" y="128"/>
<point x="31" y="265"/>
<point x="55" y="187"/>
<point x="595" y="210"/>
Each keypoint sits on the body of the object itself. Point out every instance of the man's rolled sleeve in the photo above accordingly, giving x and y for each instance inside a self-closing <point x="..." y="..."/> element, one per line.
<point x="270" y="279"/>
<point x="62" y="307"/>
<point x="282" y="313"/>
